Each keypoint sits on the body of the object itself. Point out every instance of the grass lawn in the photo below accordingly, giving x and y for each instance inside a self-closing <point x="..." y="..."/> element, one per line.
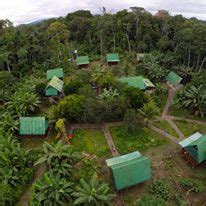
<point x="91" y="141"/>
<point x="36" y="143"/>
<point x="142" y="141"/>
<point x="190" y="128"/>
<point x="184" y="113"/>
<point x="165" y="126"/>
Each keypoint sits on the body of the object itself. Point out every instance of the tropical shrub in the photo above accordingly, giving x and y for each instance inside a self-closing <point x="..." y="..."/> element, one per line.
<point x="58" y="153"/>
<point x="51" y="190"/>
<point x="149" y="111"/>
<point x="70" y="108"/>
<point x="151" y="200"/>
<point x="92" y="193"/>
<point x="135" y="97"/>
<point x="23" y="103"/>
<point x="192" y="185"/>
<point x="160" y="189"/>
<point x="194" y="99"/>
<point x="16" y="168"/>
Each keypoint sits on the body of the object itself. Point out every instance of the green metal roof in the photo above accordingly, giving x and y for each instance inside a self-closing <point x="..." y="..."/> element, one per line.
<point x="148" y="83"/>
<point x="136" y="81"/>
<point x="190" y="140"/>
<point x="56" y="83"/>
<point x="173" y="78"/>
<point x="130" y="169"/>
<point x="123" y="158"/>
<point x="81" y="60"/>
<point x="33" y="125"/>
<point x="196" y="146"/>
<point x="58" y="72"/>
<point x="112" y="57"/>
<point x="50" y="91"/>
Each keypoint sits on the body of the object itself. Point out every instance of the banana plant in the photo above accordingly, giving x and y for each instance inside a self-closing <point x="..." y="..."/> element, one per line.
<point x="92" y="193"/>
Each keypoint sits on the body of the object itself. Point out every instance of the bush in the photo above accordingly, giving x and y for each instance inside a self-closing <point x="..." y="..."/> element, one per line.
<point x="70" y="107"/>
<point x="192" y="185"/>
<point x="97" y="110"/>
<point x="151" y="201"/>
<point x="135" y="97"/>
<point x="160" y="189"/>
<point x="72" y="86"/>
<point x="40" y="87"/>
<point x="133" y="121"/>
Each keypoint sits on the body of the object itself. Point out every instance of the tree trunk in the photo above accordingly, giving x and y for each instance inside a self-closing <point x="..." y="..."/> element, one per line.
<point x="189" y="55"/>
<point x="198" y="61"/>
<point x="114" y="43"/>
<point x="8" y="67"/>
<point x="129" y="46"/>
<point x="101" y="44"/>
<point x="203" y="61"/>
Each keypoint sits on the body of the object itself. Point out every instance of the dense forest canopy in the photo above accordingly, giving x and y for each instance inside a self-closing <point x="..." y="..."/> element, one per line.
<point x="27" y="48"/>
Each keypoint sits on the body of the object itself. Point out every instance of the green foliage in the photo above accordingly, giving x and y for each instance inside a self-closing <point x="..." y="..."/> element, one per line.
<point x="16" y="169"/>
<point x="92" y="193"/>
<point x="101" y="77"/>
<point x="142" y="141"/>
<point x="57" y="186"/>
<point x="133" y="122"/>
<point x="160" y="189"/>
<point x="149" y="111"/>
<point x="102" y="110"/>
<point x="91" y="141"/>
<point x="51" y="190"/>
<point x="70" y="107"/>
<point x="40" y="88"/>
<point x="155" y="71"/>
<point x="57" y="153"/>
<point x="72" y="86"/>
<point x="135" y="97"/>
<point x="23" y="103"/>
<point x="88" y="168"/>
<point x="7" y="85"/>
<point x="151" y="201"/>
<point x="9" y="122"/>
<point x="193" y="98"/>
<point x="192" y="185"/>
<point x="108" y="94"/>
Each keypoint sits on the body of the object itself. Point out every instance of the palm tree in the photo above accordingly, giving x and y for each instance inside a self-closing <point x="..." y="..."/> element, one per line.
<point x="101" y="78"/>
<point x="108" y="94"/>
<point x="154" y="70"/>
<point x="149" y="111"/>
<point x="57" y="153"/>
<point x="92" y="193"/>
<point x="51" y="190"/>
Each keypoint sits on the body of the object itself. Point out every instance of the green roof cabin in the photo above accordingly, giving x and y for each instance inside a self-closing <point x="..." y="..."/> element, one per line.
<point x="58" y="72"/>
<point x="82" y="61"/>
<point x="129" y="169"/>
<point x="138" y="82"/>
<point x="54" y="87"/>
<point x="173" y="79"/>
<point x="33" y="126"/>
<point x="194" y="149"/>
<point x="113" y="59"/>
